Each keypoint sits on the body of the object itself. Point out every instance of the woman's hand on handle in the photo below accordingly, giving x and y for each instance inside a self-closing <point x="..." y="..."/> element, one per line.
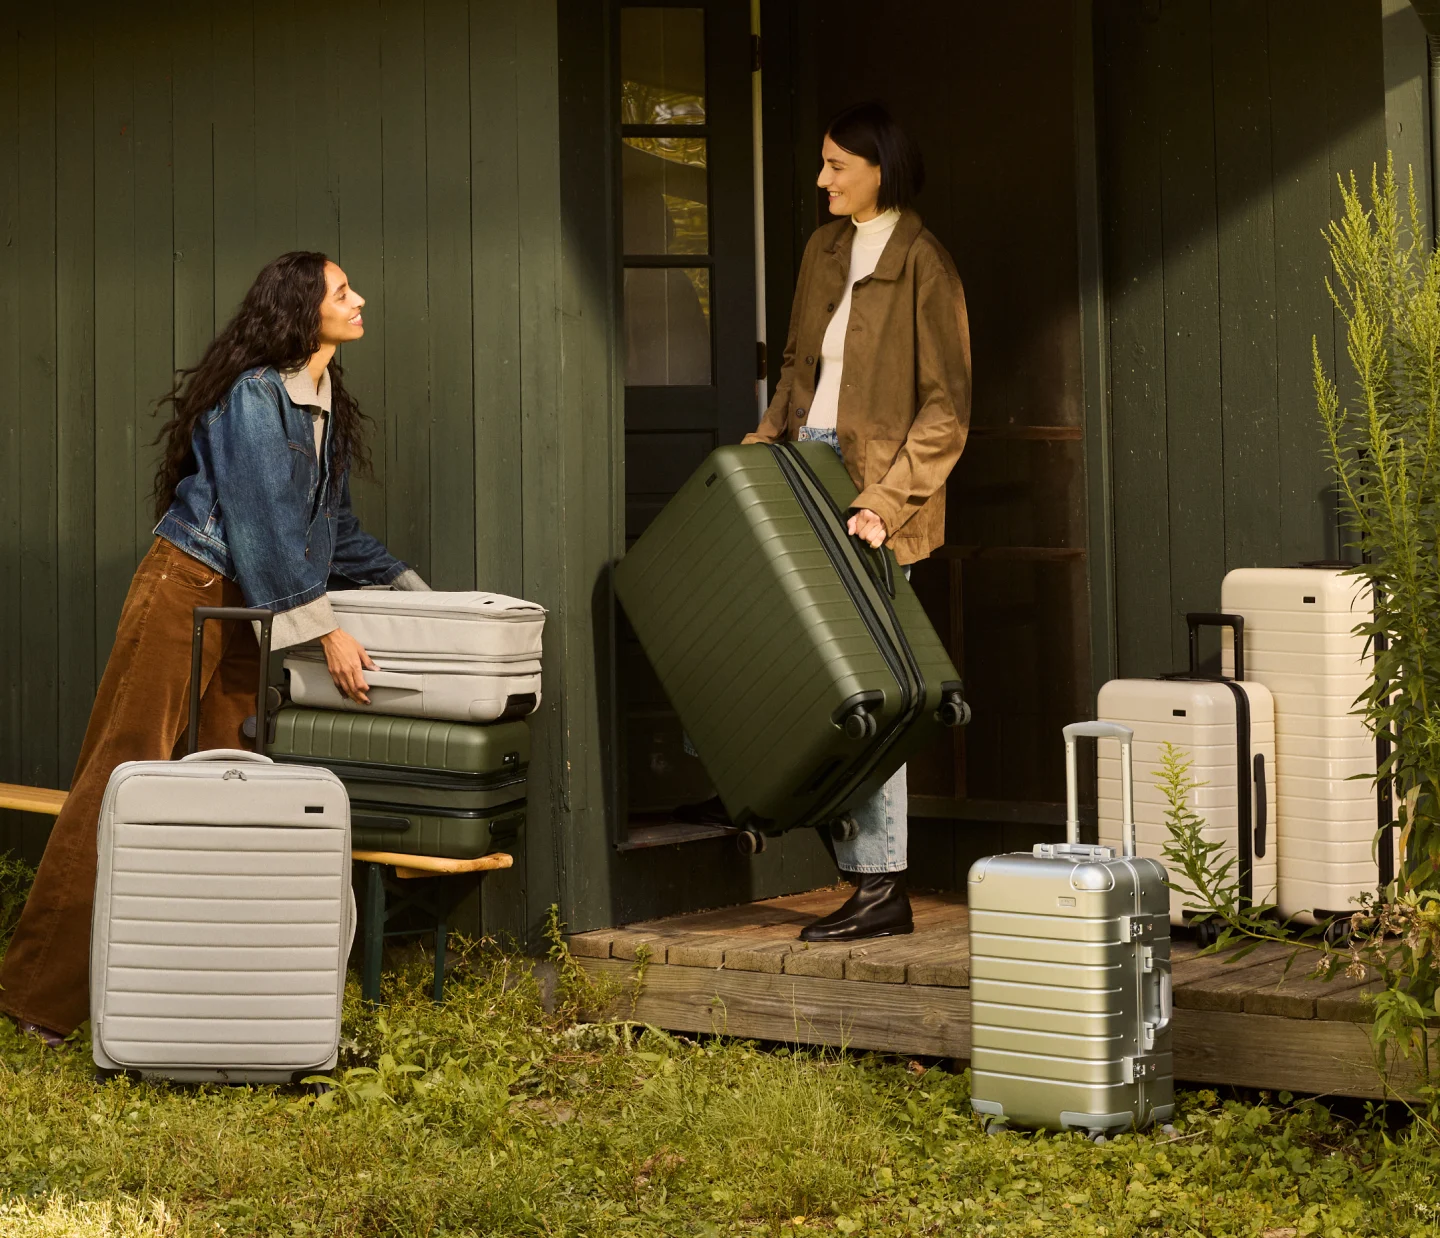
<point x="347" y="660"/>
<point x="866" y="524"/>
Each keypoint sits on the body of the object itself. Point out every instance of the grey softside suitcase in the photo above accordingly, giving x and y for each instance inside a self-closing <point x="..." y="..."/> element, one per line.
<point x="1070" y="977"/>
<point x="223" y="911"/>
<point x="418" y="786"/>
<point x="798" y="659"/>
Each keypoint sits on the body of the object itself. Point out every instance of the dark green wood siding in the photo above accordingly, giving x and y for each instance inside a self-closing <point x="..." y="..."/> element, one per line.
<point x="152" y="158"/>
<point x="1223" y="128"/>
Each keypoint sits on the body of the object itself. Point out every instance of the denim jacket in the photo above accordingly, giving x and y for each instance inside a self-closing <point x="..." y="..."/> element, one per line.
<point x="261" y="507"/>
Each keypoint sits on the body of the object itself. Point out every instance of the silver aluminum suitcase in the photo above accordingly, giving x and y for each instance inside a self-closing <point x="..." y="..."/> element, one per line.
<point x="1070" y="978"/>
<point x="1225" y="727"/>
<point x="223" y="911"/>
<point x="1301" y="642"/>
<point x="462" y="657"/>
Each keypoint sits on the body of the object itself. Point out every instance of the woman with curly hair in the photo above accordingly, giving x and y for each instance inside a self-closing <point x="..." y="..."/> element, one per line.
<point x="253" y="500"/>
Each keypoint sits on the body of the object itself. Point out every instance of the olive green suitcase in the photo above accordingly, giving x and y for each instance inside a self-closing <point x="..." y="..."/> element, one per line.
<point x="798" y="659"/>
<point x="417" y="786"/>
<point x="1070" y="977"/>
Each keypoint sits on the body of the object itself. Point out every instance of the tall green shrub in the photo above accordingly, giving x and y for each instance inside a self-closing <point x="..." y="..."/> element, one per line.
<point x="1383" y="434"/>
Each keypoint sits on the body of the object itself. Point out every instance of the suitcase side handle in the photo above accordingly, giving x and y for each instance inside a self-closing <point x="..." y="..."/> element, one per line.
<point x="202" y="615"/>
<point x="1100" y="730"/>
<point x="1261" y="805"/>
<point x="1196" y="620"/>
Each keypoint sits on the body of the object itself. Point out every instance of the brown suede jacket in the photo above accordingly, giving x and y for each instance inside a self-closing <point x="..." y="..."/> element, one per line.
<point x="905" y="397"/>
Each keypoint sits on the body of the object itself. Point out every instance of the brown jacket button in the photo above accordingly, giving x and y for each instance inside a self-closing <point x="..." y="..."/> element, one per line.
<point x="809" y="360"/>
<point x="830" y="309"/>
<point x="799" y="412"/>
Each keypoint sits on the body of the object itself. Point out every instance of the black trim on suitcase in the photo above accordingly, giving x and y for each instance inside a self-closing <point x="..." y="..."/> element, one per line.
<point x="1245" y="771"/>
<point x="200" y="616"/>
<point x="896" y="651"/>
<point x="410" y="776"/>
<point x="358" y="808"/>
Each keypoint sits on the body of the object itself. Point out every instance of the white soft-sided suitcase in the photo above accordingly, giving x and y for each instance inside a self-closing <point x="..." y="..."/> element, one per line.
<point x="1227" y="731"/>
<point x="1070" y="978"/>
<point x="464" y="657"/>
<point x="1300" y="642"/>
<point x="223" y="914"/>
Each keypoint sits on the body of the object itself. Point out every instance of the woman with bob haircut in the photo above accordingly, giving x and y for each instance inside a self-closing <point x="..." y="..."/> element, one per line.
<point x="253" y="500"/>
<point x="877" y="365"/>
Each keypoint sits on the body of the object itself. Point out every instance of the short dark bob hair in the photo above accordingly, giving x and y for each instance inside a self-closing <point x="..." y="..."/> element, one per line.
<point x="868" y="130"/>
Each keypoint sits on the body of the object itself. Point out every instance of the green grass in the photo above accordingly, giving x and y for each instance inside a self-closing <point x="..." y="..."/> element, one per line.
<point x="489" y="1117"/>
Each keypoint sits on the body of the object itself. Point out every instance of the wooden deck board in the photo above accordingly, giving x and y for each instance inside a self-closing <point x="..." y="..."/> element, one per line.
<point x="743" y="971"/>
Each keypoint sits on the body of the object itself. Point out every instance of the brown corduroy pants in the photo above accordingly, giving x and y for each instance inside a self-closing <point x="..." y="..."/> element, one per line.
<point x="141" y="713"/>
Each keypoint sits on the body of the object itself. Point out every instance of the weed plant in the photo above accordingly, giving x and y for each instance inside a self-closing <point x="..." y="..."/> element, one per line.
<point x="488" y="1116"/>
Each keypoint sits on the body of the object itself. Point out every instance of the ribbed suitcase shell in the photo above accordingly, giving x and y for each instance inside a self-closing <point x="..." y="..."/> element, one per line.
<point x="763" y="642"/>
<point x="1153" y="709"/>
<point x="1300" y="643"/>
<point x="1069" y="976"/>
<point x="417" y="786"/>
<point x="223" y="918"/>
<point x="466" y="657"/>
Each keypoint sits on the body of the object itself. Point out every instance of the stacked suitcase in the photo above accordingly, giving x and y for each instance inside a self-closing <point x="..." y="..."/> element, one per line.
<point x="1300" y="642"/>
<point x="1070" y="977"/>
<point x="798" y="659"/>
<point x="417" y="786"/>
<point x="1225" y="727"/>
<point x="466" y="657"/>
<point x="436" y="763"/>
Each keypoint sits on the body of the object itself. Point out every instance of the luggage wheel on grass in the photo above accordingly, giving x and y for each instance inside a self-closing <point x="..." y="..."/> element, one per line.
<point x="420" y="881"/>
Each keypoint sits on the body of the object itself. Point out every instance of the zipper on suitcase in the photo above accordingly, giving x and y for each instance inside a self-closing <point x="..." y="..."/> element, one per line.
<point x="425" y="779"/>
<point x="899" y="658"/>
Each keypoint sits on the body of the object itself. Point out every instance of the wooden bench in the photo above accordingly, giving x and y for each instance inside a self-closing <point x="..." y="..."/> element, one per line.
<point x="32" y="799"/>
<point x="436" y="898"/>
<point x="437" y="901"/>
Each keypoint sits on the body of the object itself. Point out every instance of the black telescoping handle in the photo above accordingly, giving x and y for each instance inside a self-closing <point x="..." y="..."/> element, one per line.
<point x="197" y="648"/>
<point x="1261" y="805"/>
<point x="1196" y="620"/>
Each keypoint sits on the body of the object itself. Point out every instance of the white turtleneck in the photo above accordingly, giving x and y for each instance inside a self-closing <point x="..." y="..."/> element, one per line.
<point x="865" y="250"/>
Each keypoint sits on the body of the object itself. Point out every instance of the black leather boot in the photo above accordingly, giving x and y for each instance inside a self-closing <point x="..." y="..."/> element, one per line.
<point x="878" y="908"/>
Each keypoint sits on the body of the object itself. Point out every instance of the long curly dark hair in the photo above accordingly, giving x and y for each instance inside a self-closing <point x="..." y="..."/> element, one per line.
<point x="277" y="324"/>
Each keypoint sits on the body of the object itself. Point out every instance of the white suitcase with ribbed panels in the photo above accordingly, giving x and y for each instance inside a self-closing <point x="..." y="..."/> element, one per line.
<point x="1301" y="643"/>
<point x="223" y="911"/>
<point x="1226" y="728"/>
<point x="1070" y="978"/>
<point x="461" y="657"/>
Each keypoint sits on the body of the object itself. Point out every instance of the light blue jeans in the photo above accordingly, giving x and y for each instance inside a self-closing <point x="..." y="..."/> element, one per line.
<point x="883" y="819"/>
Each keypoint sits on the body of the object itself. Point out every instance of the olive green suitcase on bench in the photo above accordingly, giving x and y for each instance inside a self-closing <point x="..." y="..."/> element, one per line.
<point x="798" y="659"/>
<point x="1070" y="977"/>
<point x="417" y="786"/>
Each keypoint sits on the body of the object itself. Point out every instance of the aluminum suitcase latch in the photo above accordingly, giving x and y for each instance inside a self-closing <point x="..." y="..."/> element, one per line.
<point x="1143" y="1067"/>
<point x="1139" y="928"/>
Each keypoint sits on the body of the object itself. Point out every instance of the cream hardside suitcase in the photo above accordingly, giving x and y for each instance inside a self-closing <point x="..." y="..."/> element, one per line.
<point x="223" y="912"/>
<point x="1070" y="978"/>
<point x="1226" y="727"/>
<point x="1300" y="642"/>
<point x="464" y="657"/>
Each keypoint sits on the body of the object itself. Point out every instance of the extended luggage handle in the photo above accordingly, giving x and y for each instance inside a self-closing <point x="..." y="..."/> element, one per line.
<point x="1100" y="730"/>
<point x="1196" y="620"/>
<point x="202" y="615"/>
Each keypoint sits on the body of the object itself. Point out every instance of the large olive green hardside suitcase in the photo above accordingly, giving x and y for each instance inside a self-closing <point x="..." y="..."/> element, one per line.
<point x="799" y="660"/>
<point x="1070" y="977"/>
<point x="417" y="786"/>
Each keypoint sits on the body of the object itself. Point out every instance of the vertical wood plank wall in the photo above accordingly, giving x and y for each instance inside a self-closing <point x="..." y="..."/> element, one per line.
<point x="152" y="158"/>
<point x="1223" y="128"/>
